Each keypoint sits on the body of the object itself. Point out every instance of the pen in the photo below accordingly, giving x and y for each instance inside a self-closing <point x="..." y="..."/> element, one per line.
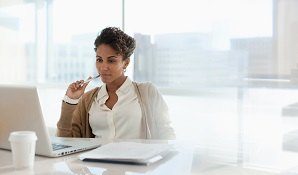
<point x="90" y="79"/>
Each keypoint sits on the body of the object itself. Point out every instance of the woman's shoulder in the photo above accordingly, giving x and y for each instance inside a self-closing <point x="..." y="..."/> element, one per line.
<point x="145" y="85"/>
<point x="147" y="88"/>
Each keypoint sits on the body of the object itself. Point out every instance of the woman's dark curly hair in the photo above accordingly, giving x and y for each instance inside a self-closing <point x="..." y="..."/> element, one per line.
<point x="118" y="40"/>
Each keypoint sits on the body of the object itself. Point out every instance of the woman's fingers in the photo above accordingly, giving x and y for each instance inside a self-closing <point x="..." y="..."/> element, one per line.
<point x="84" y="85"/>
<point x="76" y="89"/>
<point x="76" y="85"/>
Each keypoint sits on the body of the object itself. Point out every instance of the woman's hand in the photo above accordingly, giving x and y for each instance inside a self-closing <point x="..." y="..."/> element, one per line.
<point x="76" y="89"/>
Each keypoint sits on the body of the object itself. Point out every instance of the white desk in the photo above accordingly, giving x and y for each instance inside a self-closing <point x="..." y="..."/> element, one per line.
<point x="187" y="160"/>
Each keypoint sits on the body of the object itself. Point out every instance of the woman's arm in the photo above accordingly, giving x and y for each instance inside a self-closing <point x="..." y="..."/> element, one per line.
<point x="69" y="124"/>
<point x="160" y="114"/>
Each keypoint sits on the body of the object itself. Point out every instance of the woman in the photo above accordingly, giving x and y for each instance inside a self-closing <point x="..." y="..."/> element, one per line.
<point x="120" y="108"/>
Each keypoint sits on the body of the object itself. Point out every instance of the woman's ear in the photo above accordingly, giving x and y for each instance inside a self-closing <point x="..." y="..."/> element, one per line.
<point x="126" y="62"/>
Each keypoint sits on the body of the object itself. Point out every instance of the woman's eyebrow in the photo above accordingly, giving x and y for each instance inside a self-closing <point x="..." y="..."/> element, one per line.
<point x="113" y="56"/>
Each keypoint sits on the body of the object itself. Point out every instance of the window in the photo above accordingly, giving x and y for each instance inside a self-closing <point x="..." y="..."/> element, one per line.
<point x="18" y="42"/>
<point x="73" y="27"/>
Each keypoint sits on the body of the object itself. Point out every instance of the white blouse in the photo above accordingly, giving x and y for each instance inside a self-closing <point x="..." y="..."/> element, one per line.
<point x="123" y="121"/>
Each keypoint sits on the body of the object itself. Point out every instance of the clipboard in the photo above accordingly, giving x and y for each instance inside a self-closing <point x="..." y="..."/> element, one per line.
<point x="128" y="153"/>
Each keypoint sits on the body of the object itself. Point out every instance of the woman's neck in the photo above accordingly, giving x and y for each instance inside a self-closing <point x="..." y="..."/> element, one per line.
<point x="113" y="86"/>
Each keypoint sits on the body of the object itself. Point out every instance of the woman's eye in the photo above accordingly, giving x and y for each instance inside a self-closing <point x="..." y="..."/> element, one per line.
<point x="98" y="60"/>
<point x="111" y="61"/>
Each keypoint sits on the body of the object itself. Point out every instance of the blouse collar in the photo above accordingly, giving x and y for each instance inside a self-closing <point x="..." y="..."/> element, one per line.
<point x="124" y="88"/>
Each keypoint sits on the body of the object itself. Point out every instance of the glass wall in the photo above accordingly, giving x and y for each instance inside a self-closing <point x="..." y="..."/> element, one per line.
<point x="71" y="35"/>
<point x="51" y="42"/>
<point x="18" y="42"/>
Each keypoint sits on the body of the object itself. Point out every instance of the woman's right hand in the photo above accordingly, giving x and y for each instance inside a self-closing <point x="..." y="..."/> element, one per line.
<point x="76" y="89"/>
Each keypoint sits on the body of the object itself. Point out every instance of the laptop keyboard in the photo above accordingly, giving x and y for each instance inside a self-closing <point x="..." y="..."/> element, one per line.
<point x="57" y="146"/>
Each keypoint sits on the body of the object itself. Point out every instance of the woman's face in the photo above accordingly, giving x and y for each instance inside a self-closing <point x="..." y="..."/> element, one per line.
<point x="109" y="64"/>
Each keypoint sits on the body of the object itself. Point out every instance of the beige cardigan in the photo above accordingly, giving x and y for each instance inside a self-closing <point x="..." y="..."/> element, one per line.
<point x="74" y="119"/>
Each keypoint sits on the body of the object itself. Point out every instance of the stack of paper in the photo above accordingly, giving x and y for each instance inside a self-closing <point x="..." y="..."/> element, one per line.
<point x="127" y="152"/>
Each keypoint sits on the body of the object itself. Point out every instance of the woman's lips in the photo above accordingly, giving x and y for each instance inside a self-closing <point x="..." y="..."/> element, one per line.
<point x="105" y="75"/>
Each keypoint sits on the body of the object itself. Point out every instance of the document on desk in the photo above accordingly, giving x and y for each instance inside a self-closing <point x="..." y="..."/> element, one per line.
<point x="128" y="153"/>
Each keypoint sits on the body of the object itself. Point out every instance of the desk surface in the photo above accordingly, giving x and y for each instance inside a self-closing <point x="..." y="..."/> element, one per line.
<point x="186" y="160"/>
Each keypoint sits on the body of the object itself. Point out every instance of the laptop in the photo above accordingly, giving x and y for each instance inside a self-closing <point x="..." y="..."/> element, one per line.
<point x="20" y="110"/>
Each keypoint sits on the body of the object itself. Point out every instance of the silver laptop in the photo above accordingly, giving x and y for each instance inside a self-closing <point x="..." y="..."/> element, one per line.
<point x="20" y="110"/>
